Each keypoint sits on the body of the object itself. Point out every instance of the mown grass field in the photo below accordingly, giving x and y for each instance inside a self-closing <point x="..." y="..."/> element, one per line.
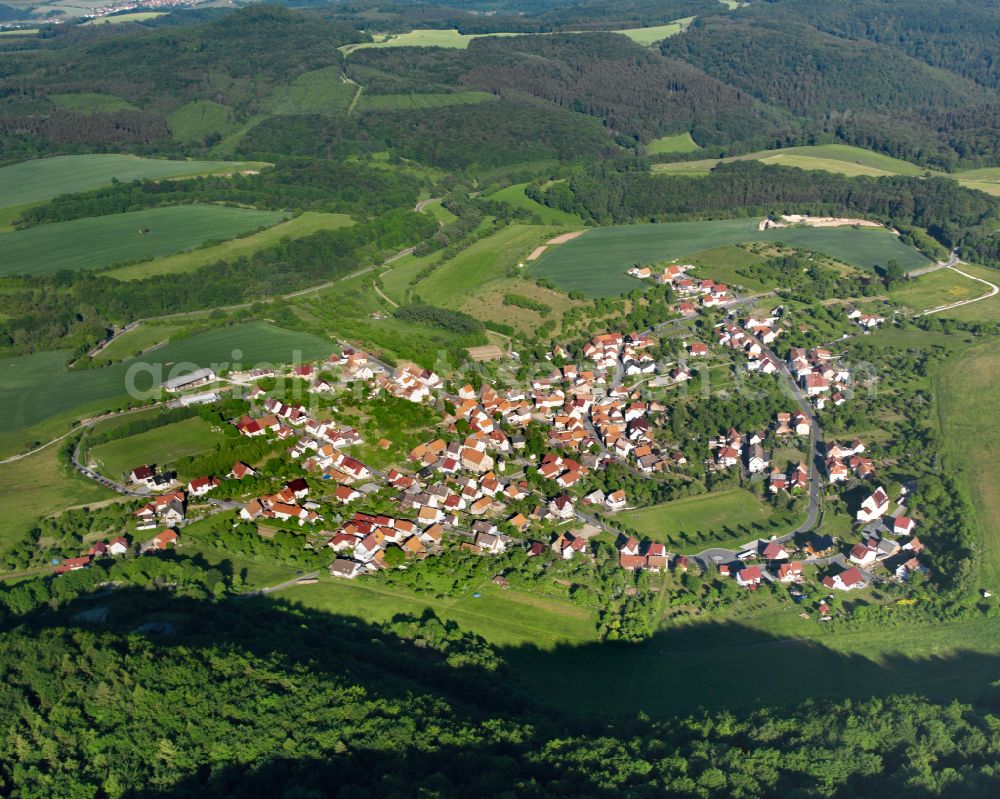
<point x="161" y="446"/>
<point x="36" y="485"/>
<point x="321" y="91"/>
<point x="515" y="196"/>
<point x="595" y="263"/>
<point x="695" y="523"/>
<point x="968" y="393"/>
<point x="935" y="289"/>
<point x="138" y="339"/>
<point x="679" y="143"/>
<point x="36" y="389"/>
<point x="842" y="158"/>
<point x="90" y="102"/>
<point x="409" y="102"/>
<point x="44" y="178"/>
<point x="987" y="310"/>
<point x="722" y="265"/>
<point x="302" y="225"/>
<point x="657" y="33"/>
<point x="505" y="617"/>
<point x="118" y="19"/>
<point x="455" y="283"/>
<point x="101" y="241"/>
<point x="421" y="38"/>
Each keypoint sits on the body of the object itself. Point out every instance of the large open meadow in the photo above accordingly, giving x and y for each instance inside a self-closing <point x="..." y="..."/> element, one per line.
<point x="595" y="263"/>
<point x="36" y="485"/>
<point x="302" y="225"/>
<point x="37" y="388"/>
<point x="101" y="241"/>
<point x="161" y="446"/>
<point x="726" y="518"/>
<point x="44" y="178"/>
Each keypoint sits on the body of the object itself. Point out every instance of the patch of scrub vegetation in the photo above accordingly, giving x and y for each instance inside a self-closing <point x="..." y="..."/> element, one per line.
<point x="199" y="120"/>
<point x="515" y="195"/>
<point x="322" y="91"/>
<point x="91" y="102"/>
<point x="98" y="242"/>
<point x="406" y="102"/>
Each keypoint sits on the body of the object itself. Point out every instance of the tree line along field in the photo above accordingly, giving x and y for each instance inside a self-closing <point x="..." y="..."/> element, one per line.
<point x="35" y="389"/>
<point x="160" y="446"/>
<point x="304" y="224"/>
<point x="595" y="263"/>
<point x="45" y="178"/>
<point x="514" y="195"/>
<point x="843" y="159"/>
<point x="97" y="242"/>
<point x="692" y="524"/>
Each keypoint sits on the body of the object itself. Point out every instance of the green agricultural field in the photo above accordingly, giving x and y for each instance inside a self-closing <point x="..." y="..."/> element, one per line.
<point x="303" y="225"/>
<point x="322" y="91"/>
<point x="987" y="310"/>
<point x="198" y="119"/>
<point x="505" y="617"/>
<point x="935" y="289"/>
<point x="37" y="485"/>
<point x="101" y="241"/>
<point x="842" y="158"/>
<point x="514" y="195"/>
<point x="44" y="178"/>
<point x="456" y="281"/>
<point x="650" y="36"/>
<point x="139" y="339"/>
<point x="39" y="397"/>
<point x="118" y="19"/>
<point x="987" y="180"/>
<point x="693" y="524"/>
<point x="91" y="102"/>
<point x="161" y="446"/>
<point x="421" y="38"/>
<point x="595" y="263"/>
<point x="678" y="143"/>
<point x="410" y="102"/>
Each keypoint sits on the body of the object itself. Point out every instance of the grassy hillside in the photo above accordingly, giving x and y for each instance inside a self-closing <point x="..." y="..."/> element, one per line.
<point x="550" y="216"/>
<point x="678" y="143"/>
<point x="657" y="33"/>
<point x="160" y="446"/>
<point x="199" y="119"/>
<point x="321" y="91"/>
<point x="420" y="38"/>
<point x="840" y="158"/>
<point x="44" y="178"/>
<point x="105" y="240"/>
<point x="302" y="225"/>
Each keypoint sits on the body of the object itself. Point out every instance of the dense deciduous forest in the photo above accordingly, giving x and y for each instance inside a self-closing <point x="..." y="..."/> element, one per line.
<point x="298" y="703"/>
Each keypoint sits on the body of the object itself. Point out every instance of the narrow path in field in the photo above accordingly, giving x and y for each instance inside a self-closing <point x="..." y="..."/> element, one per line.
<point x="382" y="294"/>
<point x="994" y="290"/>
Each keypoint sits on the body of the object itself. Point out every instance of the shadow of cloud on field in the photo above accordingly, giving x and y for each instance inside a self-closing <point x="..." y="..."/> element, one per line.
<point x="697" y="670"/>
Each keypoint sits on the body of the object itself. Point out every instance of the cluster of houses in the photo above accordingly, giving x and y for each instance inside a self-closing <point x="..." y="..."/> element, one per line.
<point x="288" y="505"/>
<point x="820" y="377"/>
<point x="750" y="339"/>
<point x="844" y="460"/>
<point x="115" y="548"/>
<point x="866" y="321"/>
<point x="665" y="277"/>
